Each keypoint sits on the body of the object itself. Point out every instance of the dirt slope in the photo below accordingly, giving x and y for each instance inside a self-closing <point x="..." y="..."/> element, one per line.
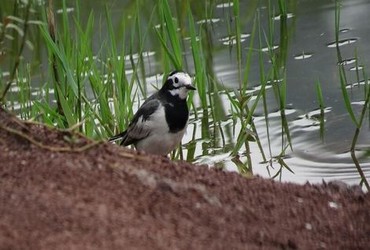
<point x="56" y="195"/>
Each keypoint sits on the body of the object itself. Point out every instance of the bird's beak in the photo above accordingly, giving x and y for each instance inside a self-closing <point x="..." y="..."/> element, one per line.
<point x="190" y="87"/>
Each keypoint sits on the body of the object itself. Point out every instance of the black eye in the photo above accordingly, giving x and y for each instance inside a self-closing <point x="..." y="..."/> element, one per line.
<point x="176" y="80"/>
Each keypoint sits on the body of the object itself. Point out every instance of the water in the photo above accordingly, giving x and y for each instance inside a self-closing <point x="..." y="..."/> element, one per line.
<point x="319" y="151"/>
<point x="311" y="57"/>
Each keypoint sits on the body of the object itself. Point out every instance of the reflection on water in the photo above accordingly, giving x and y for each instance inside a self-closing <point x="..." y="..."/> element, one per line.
<point x="320" y="139"/>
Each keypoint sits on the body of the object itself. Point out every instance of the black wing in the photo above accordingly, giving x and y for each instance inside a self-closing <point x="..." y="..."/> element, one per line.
<point x="137" y="129"/>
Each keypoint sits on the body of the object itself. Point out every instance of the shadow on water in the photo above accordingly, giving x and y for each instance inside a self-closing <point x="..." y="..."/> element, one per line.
<point x="282" y="85"/>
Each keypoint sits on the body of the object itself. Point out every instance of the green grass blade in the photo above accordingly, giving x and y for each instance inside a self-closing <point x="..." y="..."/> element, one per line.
<point x="71" y="120"/>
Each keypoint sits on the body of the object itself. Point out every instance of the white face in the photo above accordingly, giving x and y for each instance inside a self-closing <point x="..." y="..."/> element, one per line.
<point x="182" y="84"/>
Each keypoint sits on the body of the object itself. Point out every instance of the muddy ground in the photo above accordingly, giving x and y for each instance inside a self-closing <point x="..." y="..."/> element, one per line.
<point x="61" y="191"/>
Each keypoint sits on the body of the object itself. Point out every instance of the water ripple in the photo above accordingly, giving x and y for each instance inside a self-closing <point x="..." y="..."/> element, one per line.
<point x="342" y="42"/>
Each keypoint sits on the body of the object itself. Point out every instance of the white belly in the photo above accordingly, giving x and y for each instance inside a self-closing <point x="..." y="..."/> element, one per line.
<point x="160" y="144"/>
<point x="160" y="141"/>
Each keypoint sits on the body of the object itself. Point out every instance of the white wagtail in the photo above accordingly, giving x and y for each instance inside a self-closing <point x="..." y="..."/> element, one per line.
<point x="160" y="123"/>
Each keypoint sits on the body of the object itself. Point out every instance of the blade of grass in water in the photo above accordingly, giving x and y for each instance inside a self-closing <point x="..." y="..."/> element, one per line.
<point x="278" y="60"/>
<point x="321" y="106"/>
<point x="67" y="111"/>
<point x="347" y="100"/>
<point x="245" y="111"/>
<point x="169" y="32"/>
<point x="238" y="41"/>
<point x="200" y="77"/>
<point x="263" y="79"/>
<point x="342" y="73"/>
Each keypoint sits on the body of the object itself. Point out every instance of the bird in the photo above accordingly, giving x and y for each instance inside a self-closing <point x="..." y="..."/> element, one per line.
<point x="160" y="123"/>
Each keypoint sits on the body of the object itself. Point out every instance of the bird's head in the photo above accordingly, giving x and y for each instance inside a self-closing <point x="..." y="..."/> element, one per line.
<point x="178" y="84"/>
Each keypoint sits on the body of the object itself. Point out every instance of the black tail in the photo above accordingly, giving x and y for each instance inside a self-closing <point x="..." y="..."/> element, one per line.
<point x="118" y="137"/>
